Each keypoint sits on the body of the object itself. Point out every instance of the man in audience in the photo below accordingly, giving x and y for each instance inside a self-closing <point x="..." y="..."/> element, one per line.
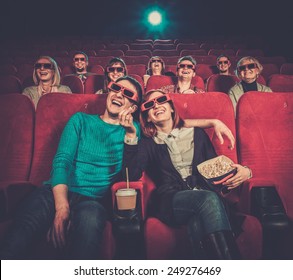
<point x="80" y="64"/>
<point x="223" y="64"/>
<point x="185" y="72"/>
<point x="71" y="207"/>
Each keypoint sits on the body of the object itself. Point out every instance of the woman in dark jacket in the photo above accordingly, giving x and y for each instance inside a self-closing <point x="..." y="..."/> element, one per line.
<point x="170" y="154"/>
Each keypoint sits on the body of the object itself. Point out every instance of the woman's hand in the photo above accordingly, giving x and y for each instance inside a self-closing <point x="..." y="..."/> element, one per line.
<point x="219" y="127"/>
<point x="243" y="174"/>
<point x="220" y="130"/>
<point x="126" y="120"/>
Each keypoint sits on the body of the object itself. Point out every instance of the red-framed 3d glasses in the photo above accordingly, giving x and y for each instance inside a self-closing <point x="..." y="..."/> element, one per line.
<point x="128" y="93"/>
<point x="118" y="69"/>
<point x="249" y="66"/>
<point x="151" y="103"/>
<point x="188" y="66"/>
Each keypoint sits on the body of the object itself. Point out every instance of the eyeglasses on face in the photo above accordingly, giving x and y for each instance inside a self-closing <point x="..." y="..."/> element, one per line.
<point x="183" y="66"/>
<point x="118" y="69"/>
<point x="223" y="62"/>
<point x="79" y="59"/>
<point x="44" y="66"/>
<point x="158" y="100"/>
<point x="156" y="60"/>
<point x="249" y="66"/>
<point x="128" y="93"/>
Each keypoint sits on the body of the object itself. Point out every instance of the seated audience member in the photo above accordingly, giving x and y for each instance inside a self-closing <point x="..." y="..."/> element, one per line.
<point x="71" y="205"/>
<point x="156" y="66"/>
<point x="223" y="64"/>
<point x="80" y="64"/>
<point x="185" y="72"/>
<point x="181" y="196"/>
<point x="248" y="70"/>
<point x="46" y="77"/>
<point x="115" y="69"/>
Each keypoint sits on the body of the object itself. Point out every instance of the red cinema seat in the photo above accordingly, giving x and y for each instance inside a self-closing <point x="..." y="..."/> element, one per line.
<point x="217" y="52"/>
<point x="205" y="59"/>
<point x="138" y="69"/>
<point x="52" y="114"/>
<point x="187" y="46"/>
<point x="99" y="60"/>
<point x="117" y="53"/>
<point x="270" y="69"/>
<point x="205" y="70"/>
<point x="286" y="68"/>
<point x="193" y="52"/>
<point x="9" y="84"/>
<point x="221" y="83"/>
<point x="73" y="82"/>
<point x="139" y="59"/>
<point x="165" y="53"/>
<point x="16" y="141"/>
<point x="96" y="69"/>
<point x="17" y="115"/>
<point x="160" y="46"/>
<point x="281" y="83"/>
<point x="24" y="70"/>
<point x="156" y="82"/>
<point x="264" y="128"/>
<point x="93" y="83"/>
<point x="279" y="60"/>
<point x="249" y="52"/>
<point x="138" y="52"/>
<point x="140" y="80"/>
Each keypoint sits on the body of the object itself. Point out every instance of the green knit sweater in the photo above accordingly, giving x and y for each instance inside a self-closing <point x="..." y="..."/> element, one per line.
<point x="89" y="155"/>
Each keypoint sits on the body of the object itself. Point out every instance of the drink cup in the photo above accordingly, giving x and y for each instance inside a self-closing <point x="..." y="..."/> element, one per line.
<point x="126" y="199"/>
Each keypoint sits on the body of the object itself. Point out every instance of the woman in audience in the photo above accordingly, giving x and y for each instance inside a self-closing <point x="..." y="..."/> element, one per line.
<point x="170" y="153"/>
<point x="115" y="69"/>
<point x="248" y="70"/>
<point x="46" y="77"/>
<point x="156" y="66"/>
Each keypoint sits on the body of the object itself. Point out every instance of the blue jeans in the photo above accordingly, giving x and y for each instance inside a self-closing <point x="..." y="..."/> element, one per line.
<point x="202" y="211"/>
<point x="87" y="215"/>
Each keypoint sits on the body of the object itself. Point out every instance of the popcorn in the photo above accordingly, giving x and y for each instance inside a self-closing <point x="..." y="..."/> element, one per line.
<point x="215" y="167"/>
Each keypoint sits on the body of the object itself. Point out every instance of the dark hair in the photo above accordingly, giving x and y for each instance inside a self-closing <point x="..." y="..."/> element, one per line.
<point x="83" y="53"/>
<point x="222" y="55"/>
<point x="110" y="63"/>
<point x="148" y="128"/>
<point x="135" y="83"/>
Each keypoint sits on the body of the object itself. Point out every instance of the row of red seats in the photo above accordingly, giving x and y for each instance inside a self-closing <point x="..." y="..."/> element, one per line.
<point x="155" y="52"/>
<point x="214" y="82"/>
<point x="263" y="126"/>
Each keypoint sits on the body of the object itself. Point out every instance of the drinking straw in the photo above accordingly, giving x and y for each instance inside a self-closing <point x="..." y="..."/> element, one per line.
<point x="127" y="179"/>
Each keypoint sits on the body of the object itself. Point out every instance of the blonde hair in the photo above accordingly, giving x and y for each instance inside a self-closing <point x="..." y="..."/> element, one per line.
<point x="56" y="75"/>
<point x="250" y="58"/>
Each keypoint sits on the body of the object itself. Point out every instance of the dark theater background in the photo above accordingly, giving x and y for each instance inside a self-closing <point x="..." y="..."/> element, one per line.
<point x="268" y="23"/>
